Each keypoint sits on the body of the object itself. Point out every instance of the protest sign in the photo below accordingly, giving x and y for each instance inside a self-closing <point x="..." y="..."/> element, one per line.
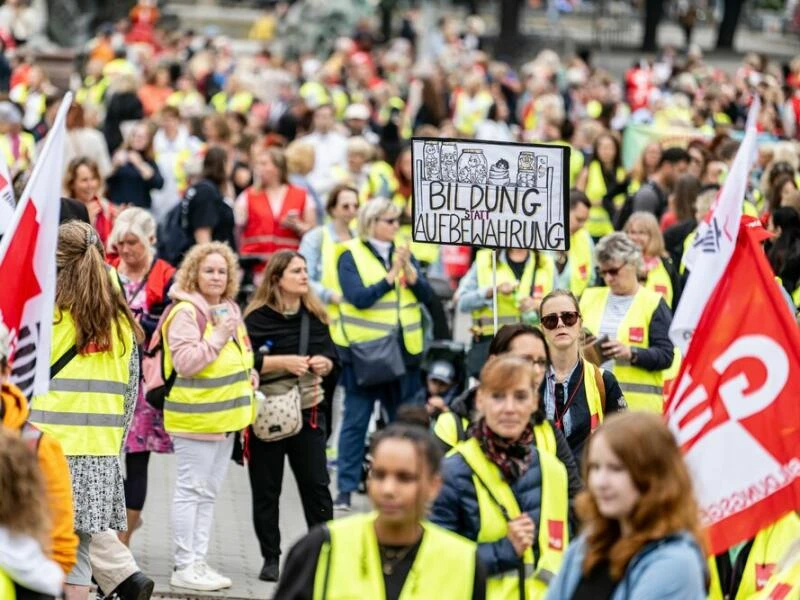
<point x="490" y="194"/>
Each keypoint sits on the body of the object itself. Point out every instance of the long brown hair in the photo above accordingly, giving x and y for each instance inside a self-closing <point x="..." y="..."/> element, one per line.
<point x="666" y="505"/>
<point x="72" y="174"/>
<point x="22" y="511"/>
<point x="83" y="287"/>
<point x="269" y="292"/>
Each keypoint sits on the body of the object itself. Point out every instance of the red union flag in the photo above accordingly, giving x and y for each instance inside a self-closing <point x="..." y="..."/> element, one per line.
<point x="28" y="265"/>
<point x="734" y="408"/>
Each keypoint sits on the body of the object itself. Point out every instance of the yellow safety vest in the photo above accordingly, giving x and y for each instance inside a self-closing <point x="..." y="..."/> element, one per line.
<point x="349" y="565"/>
<point x="552" y="529"/>
<point x="314" y="93"/>
<point x="219" y="398"/>
<point x="508" y="312"/>
<point x="84" y="409"/>
<point x="581" y="265"/>
<point x="331" y="250"/>
<point x="466" y="120"/>
<point x="659" y="281"/>
<point x="687" y="243"/>
<point x="7" y="589"/>
<point x="796" y="297"/>
<point x="643" y="389"/>
<point x="240" y="102"/>
<point x="452" y="429"/>
<point x="593" y="399"/>
<point x="784" y="585"/>
<point x="769" y="546"/>
<point x="93" y="91"/>
<point x="27" y="151"/>
<point x="380" y="319"/>
<point x="381" y="181"/>
<point x="576" y="161"/>
<point x="599" y="223"/>
<point x="180" y="98"/>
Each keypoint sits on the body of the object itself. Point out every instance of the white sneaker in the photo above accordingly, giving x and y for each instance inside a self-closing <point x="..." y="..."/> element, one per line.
<point x="193" y="578"/>
<point x="205" y="568"/>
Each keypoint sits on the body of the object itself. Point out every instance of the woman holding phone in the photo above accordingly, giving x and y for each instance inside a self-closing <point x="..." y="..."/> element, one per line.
<point x="630" y="322"/>
<point x="211" y="400"/>
<point x="576" y="394"/>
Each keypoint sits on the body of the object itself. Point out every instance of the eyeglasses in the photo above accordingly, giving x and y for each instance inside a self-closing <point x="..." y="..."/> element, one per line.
<point x="392" y="221"/>
<point x="569" y="318"/>
<point x="613" y="272"/>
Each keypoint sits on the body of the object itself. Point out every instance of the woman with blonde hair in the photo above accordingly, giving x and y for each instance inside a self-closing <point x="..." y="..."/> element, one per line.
<point x="144" y="281"/>
<point x="378" y="313"/>
<point x="288" y="325"/>
<point x="207" y="354"/>
<point x="659" y="273"/>
<point x="94" y="381"/>
<point x="641" y="534"/>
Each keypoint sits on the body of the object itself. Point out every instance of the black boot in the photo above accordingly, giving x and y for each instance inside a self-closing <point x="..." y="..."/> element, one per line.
<point x="136" y="587"/>
<point x="269" y="572"/>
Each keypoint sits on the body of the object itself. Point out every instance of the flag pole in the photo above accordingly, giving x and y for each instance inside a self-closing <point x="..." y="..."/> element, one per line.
<point x="494" y="289"/>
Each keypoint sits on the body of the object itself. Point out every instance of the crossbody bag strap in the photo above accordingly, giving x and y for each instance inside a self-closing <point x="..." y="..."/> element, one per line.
<point x="63" y="360"/>
<point x="305" y="328"/>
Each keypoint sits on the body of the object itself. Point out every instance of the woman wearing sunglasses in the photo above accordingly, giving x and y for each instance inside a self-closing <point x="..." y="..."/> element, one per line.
<point x="381" y="338"/>
<point x="629" y="323"/>
<point x="576" y="394"/>
<point x="528" y="343"/>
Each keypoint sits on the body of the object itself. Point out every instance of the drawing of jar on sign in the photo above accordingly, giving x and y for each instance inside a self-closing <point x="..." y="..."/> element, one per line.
<point x="449" y="159"/>
<point x="472" y="167"/>
<point x="532" y="170"/>
<point x="431" y="168"/>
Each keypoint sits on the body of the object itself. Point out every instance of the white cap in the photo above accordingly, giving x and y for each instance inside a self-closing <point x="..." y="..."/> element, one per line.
<point x="356" y="111"/>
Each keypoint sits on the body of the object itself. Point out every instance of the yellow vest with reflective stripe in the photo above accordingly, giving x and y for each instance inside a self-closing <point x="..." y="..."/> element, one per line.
<point x="687" y="243"/>
<point x="330" y="252"/>
<point x="643" y="390"/>
<point x="659" y="281"/>
<point x="581" y="265"/>
<point x="552" y="532"/>
<point x="784" y="585"/>
<point x="446" y="429"/>
<point x="349" y="565"/>
<point x="240" y="102"/>
<point x="84" y="408"/>
<point x="599" y="223"/>
<point x="507" y="309"/>
<point x="769" y="547"/>
<point x="380" y="319"/>
<point x="219" y="398"/>
<point x="93" y="91"/>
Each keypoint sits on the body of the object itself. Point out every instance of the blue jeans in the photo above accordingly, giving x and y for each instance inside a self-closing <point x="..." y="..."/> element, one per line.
<point x="358" y="405"/>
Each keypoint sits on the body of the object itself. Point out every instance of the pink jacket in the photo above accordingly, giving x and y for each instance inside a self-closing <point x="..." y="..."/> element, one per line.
<point x="191" y="352"/>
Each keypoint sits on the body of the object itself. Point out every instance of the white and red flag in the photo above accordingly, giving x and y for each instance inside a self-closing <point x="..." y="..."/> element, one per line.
<point x="715" y="239"/>
<point x="28" y="264"/>
<point x="734" y="409"/>
<point x="7" y="203"/>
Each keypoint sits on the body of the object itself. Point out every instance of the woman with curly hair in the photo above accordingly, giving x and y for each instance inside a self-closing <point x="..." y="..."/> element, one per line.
<point x="25" y="570"/>
<point x="208" y="356"/>
<point x="641" y="533"/>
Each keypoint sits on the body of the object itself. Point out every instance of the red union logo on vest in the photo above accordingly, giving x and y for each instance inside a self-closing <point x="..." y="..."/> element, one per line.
<point x="555" y="534"/>
<point x="722" y="444"/>
<point x="636" y="335"/>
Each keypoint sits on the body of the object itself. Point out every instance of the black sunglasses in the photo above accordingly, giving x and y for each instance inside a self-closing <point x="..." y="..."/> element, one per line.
<point x="613" y="272"/>
<point x="569" y="318"/>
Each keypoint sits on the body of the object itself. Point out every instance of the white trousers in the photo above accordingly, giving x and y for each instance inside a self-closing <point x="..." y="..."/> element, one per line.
<point x="201" y="466"/>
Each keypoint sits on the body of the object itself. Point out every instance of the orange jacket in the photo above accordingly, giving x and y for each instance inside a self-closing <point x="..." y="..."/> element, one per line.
<point x="55" y="471"/>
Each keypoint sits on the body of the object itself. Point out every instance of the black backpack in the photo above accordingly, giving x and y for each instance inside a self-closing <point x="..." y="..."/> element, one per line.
<point x="174" y="235"/>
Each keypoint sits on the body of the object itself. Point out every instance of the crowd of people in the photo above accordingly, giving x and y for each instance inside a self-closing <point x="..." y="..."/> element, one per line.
<point x="236" y="254"/>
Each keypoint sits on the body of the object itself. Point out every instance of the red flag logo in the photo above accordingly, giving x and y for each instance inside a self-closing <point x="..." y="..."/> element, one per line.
<point x="734" y="407"/>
